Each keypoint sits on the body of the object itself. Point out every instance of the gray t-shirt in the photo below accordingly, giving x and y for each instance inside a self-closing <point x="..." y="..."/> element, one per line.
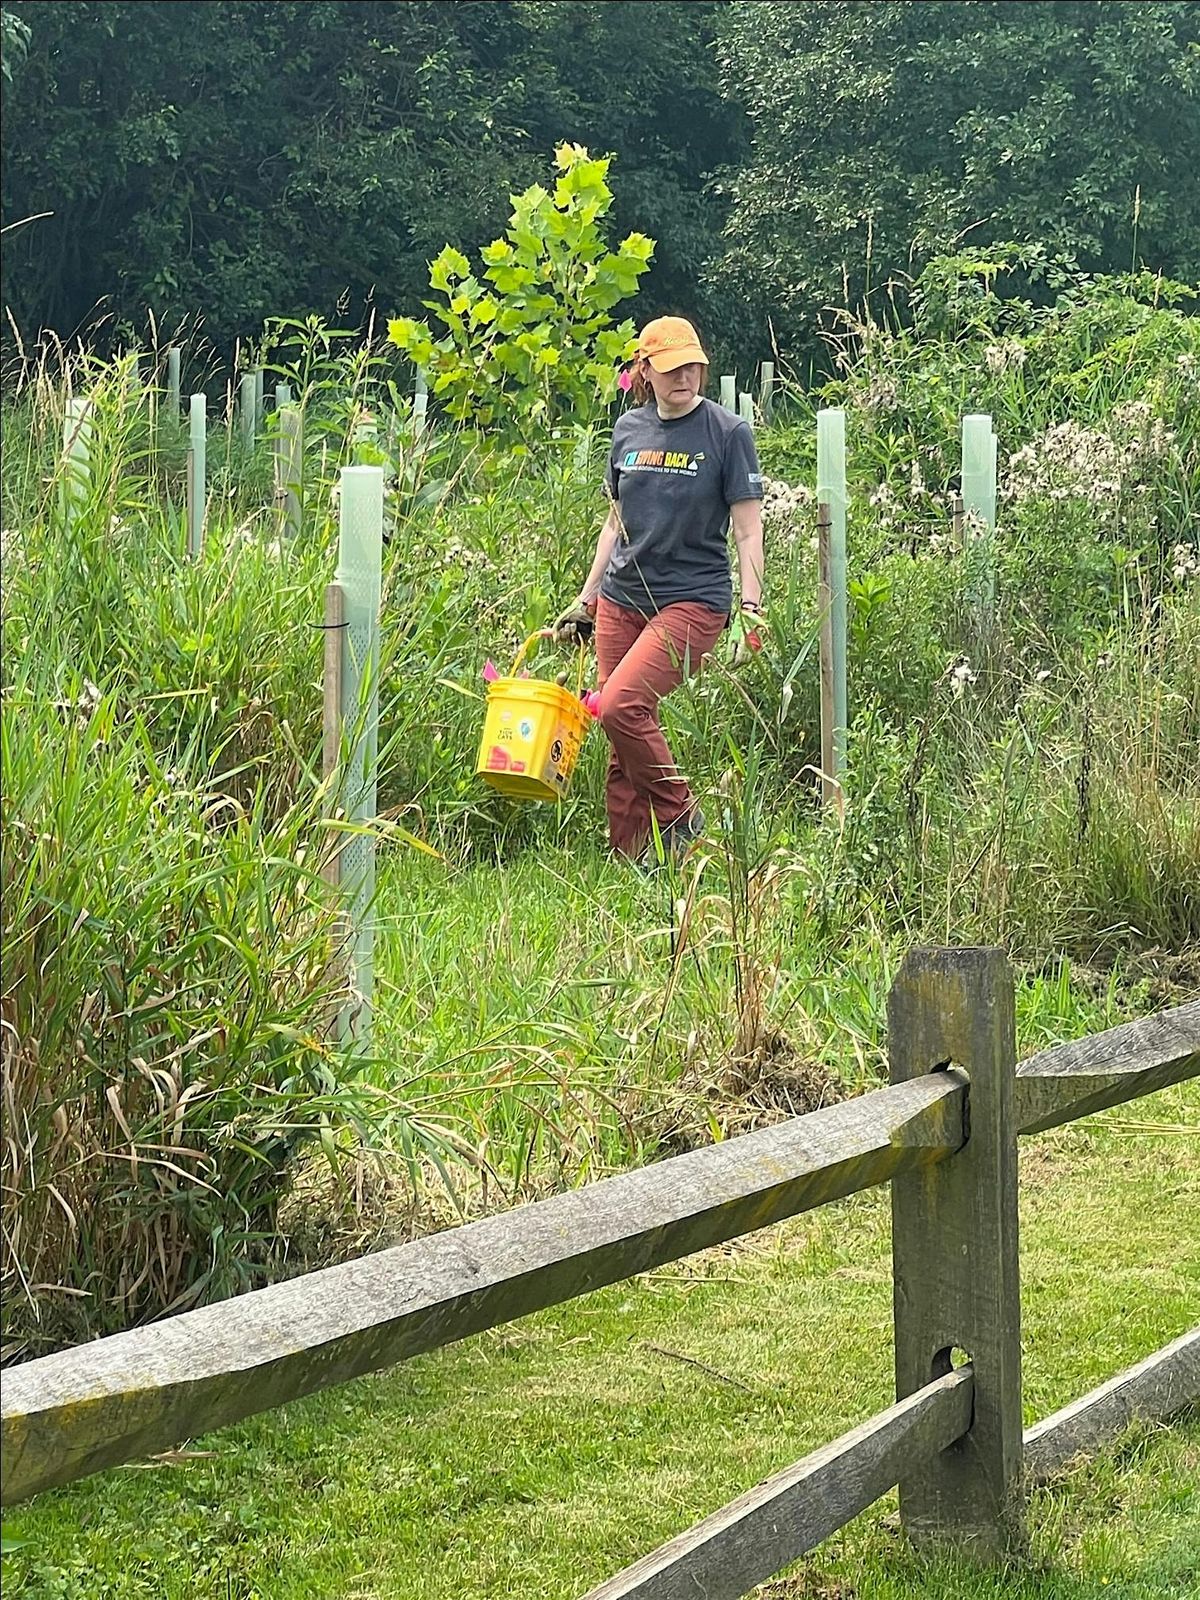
<point x="674" y="480"/>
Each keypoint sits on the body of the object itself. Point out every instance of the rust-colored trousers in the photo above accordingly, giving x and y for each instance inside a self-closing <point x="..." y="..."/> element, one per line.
<point x="641" y="659"/>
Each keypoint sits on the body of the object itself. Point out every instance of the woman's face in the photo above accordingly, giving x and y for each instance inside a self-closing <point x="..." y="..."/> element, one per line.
<point x="675" y="392"/>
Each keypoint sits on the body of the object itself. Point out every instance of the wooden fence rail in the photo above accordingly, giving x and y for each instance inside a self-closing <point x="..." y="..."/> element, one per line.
<point x="943" y="1134"/>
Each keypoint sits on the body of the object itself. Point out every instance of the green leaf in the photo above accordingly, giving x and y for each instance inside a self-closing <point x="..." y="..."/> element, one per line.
<point x="446" y="267"/>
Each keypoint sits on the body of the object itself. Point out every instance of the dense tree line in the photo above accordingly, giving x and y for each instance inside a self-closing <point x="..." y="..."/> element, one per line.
<point x="246" y="159"/>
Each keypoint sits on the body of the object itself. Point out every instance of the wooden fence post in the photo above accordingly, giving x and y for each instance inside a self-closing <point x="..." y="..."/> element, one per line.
<point x="956" y="1268"/>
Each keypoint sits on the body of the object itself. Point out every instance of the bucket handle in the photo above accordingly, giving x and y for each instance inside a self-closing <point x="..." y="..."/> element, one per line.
<point x="542" y="633"/>
<point x="545" y="633"/>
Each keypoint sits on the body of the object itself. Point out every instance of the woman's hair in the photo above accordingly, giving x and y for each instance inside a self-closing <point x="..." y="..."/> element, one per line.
<point x="639" y="385"/>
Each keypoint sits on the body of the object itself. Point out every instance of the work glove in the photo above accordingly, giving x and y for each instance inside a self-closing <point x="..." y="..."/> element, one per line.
<point x="578" y="622"/>
<point x="746" y="626"/>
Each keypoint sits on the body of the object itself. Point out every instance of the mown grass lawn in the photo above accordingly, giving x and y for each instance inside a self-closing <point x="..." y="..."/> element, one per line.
<point x="537" y="1459"/>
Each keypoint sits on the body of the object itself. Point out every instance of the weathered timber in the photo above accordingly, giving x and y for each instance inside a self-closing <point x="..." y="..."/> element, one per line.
<point x="956" y="1277"/>
<point x="1105" y="1069"/>
<point x="1153" y="1391"/>
<point x="730" y="1552"/>
<point x="331" y="723"/>
<point x="99" y="1404"/>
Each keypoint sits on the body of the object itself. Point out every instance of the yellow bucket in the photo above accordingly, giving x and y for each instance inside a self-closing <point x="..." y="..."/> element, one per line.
<point x="532" y="734"/>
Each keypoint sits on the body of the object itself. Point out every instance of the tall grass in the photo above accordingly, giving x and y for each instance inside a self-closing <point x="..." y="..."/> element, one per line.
<point x="545" y="1014"/>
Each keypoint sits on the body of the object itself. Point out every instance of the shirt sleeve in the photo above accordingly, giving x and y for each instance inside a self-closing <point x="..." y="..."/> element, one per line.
<point x="612" y="475"/>
<point x="741" y="478"/>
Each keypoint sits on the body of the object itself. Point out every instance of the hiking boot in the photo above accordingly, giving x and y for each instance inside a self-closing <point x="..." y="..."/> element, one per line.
<point x="677" y="837"/>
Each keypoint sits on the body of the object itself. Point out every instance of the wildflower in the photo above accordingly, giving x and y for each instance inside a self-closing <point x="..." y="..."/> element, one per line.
<point x="960" y="677"/>
<point x="1008" y="353"/>
<point x="916" y="483"/>
<point x="940" y="543"/>
<point x="785" y="506"/>
<point x="882" y="394"/>
<point x="1185" y="563"/>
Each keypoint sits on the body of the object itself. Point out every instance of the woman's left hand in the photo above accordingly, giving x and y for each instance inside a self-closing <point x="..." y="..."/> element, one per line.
<point x="747" y="639"/>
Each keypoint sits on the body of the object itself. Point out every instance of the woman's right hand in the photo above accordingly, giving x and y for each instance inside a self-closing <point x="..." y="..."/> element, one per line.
<point x="578" y="621"/>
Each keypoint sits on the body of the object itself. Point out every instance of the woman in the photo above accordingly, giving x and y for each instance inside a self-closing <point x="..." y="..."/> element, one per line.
<point x="681" y="469"/>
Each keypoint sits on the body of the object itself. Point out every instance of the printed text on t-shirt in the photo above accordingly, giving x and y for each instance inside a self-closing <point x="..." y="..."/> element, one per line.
<point x="662" y="461"/>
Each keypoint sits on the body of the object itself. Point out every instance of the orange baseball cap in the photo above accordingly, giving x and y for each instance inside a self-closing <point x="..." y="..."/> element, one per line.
<point x="670" y="342"/>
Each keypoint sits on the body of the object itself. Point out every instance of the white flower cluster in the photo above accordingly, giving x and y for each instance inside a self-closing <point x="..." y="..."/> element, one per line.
<point x="457" y="554"/>
<point x="941" y="543"/>
<point x="960" y="676"/>
<point x="1006" y="356"/>
<point x="1185" y="563"/>
<point x="786" y="506"/>
<point x="1009" y="353"/>
<point x="881" y="394"/>
<point x="83" y="707"/>
<point x="1070" y="462"/>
